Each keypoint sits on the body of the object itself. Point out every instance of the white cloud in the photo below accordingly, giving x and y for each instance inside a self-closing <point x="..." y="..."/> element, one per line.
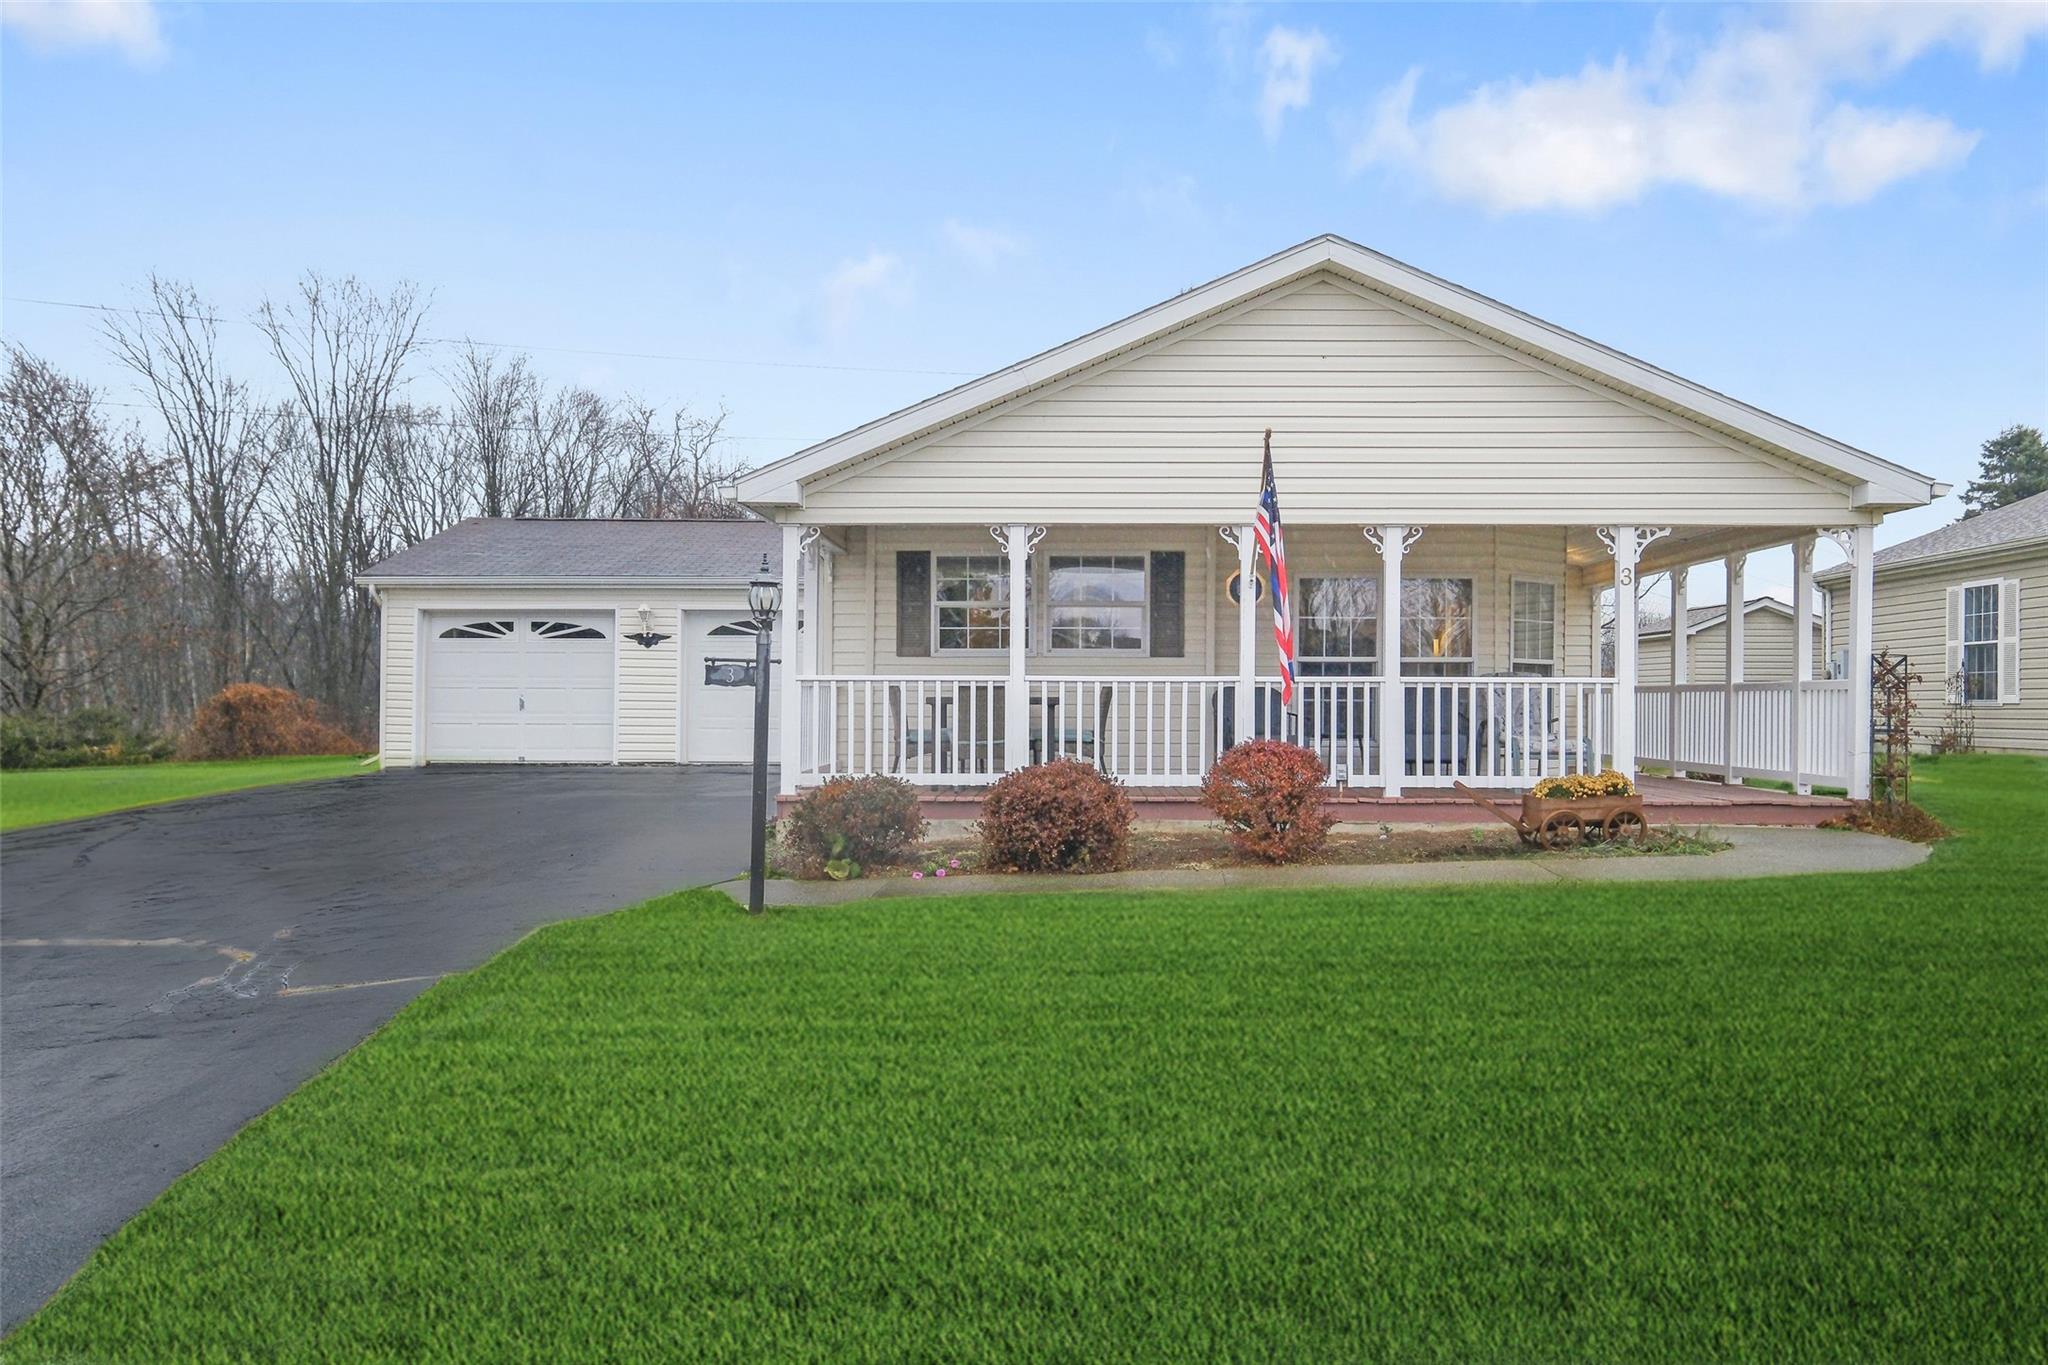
<point x="980" y="246"/>
<point x="879" y="275"/>
<point x="1752" y="116"/>
<point x="1173" y="198"/>
<point x="1162" y="47"/>
<point x="129" y="26"/>
<point x="1288" y="61"/>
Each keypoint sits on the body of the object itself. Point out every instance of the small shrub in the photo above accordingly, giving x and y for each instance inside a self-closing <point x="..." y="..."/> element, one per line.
<point x="851" y="823"/>
<point x="1269" y="796"/>
<point x="250" y="720"/>
<point x="1903" y="820"/>
<point x="93" y="737"/>
<point x="1063" y="816"/>
<point x="1584" y="786"/>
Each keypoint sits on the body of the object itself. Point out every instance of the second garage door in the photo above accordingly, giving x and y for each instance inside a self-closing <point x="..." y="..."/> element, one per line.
<point x="719" y="717"/>
<point x="519" y="687"/>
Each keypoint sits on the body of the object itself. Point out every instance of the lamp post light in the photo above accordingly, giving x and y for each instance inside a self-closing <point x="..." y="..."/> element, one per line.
<point x="764" y="600"/>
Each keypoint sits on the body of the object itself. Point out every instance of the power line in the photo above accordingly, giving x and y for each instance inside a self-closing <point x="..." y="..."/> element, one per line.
<point x="559" y="350"/>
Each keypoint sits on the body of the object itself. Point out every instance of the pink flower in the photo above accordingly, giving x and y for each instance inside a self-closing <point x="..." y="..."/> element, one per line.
<point x="917" y="876"/>
<point x="942" y="872"/>
<point x="952" y="862"/>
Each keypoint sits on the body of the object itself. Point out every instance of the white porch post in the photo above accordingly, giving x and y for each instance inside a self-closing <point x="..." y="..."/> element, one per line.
<point x="1862" y="580"/>
<point x="1802" y="656"/>
<point x="1734" y="632"/>
<point x="1626" y="544"/>
<point x="1247" y="629"/>
<point x="1392" y="542"/>
<point x="796" y="540"/>
<point x="1017" y="539"/>
<point x="1681" y="658"/>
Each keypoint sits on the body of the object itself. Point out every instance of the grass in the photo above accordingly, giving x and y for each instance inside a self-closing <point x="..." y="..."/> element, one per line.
<point x="41" y="796"/>
<point x="1793" y="1119"/>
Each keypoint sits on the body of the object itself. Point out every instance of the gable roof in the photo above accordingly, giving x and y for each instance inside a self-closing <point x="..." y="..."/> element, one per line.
<point x="2016" y="523"/>
<point x="1698" y="619"/>
<point x="1879" y="483"/>
<point x="560" y="550"/>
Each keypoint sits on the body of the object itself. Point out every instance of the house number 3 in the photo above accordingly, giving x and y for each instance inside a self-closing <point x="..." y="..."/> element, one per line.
<point x="1628" y="578"/>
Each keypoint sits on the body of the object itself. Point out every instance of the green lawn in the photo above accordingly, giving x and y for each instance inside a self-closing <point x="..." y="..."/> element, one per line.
<point x="38" y="797"/>
<point x="1797" y="1119"/>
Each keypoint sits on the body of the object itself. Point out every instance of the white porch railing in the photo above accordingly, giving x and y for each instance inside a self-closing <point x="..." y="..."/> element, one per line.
<point x="1760" y="717"/>
<point x="1167" y="731"/>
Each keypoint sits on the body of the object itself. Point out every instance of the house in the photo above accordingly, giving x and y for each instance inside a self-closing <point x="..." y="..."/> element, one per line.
<point x="1056" y="559"/>
<point x="1766" y="644"/>
<point x="549" y="641"/>
<point x="1967" y="607"/>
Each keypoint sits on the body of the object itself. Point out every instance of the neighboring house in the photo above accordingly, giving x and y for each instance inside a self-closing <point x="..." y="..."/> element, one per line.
<point x="1030" y="565"/>
<point x="1967" y="606"/>
<point x="1767" y="652"/>
<point x="550" y="641"/>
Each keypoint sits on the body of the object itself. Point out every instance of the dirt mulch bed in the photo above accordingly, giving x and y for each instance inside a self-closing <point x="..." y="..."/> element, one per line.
<point x="1205" y="846"/>
<point x="1907" y="821"/>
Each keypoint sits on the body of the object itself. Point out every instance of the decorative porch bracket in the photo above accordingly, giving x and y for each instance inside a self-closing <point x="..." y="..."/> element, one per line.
<point x="1856" y="543"/>
<point x="1018" y="539"/>
<point x="1626" y="544"/>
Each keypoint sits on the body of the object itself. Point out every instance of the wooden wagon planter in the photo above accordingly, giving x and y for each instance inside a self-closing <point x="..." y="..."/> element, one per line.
<point x="1564" y="822"/>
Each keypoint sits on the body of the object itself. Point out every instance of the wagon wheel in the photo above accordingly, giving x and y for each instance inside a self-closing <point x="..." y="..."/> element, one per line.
<point x="1561" y="830"/>
<point x="1627" y="824"/>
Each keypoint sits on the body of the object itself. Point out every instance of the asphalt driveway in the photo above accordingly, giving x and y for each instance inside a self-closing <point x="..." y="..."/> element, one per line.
<point x="167" y="975"/>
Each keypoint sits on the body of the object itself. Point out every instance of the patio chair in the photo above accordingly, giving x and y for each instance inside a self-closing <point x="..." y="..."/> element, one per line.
<point x="1078" y="739"/>
<point x="923" y="734"/>
<point x="1268" y="722"/>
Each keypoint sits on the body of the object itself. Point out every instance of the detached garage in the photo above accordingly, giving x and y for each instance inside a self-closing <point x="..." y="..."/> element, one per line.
<point x="546" y="641"/>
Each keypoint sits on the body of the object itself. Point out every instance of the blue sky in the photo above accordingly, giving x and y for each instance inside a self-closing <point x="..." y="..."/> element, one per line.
<point x="1839" y="214"/>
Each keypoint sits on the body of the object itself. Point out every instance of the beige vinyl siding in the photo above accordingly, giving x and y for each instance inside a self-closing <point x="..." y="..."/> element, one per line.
<point x="649" y="725"/>
<point x="864" y="589"/>
<point x="1766" y="651"/>
<point x="1380" y="413"/>
<point x="1911" y="618"/>
<point x="400" y="674"/>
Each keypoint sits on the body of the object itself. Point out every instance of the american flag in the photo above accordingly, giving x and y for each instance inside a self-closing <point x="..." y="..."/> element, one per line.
<point x="1266" y="530"/>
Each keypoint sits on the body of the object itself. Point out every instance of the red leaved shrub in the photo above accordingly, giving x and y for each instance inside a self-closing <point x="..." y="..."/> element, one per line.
<point x="851" y="823"/>
<point x="249" y="720"/>
<point x="1269" y="796"/>
<point x="1063" y="816"/>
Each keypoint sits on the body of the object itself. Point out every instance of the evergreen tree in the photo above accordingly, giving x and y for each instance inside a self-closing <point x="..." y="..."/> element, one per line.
<point x="2014" y="465"/>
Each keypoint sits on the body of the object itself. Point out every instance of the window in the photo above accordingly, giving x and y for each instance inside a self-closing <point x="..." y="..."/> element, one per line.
<point x="1980" y="642"/>
<point x="478" y="630"/>
<point x="1436" y="627"/>
<point x="971" y="602"/>
<point x="1096" y="602"/>
<point x="564" y="630"/>
<point x="1337" y="627"/>
<point x="1532" y="627"/>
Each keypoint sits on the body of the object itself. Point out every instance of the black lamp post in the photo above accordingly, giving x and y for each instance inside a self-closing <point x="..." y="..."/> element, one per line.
<point x="764" y="600"/>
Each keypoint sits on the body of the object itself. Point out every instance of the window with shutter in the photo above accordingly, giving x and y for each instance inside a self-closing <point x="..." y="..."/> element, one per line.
<point x="2009" y="641"/>
<point x="1979" y="637"/>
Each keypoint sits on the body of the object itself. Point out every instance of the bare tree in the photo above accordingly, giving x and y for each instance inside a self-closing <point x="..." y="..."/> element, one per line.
<point x="219" y="455"/>
<point x="575" y="443"/>
<point x="490" y="423"/>
<point x="343" y="349"/>
<point x="67" y="491"/>
<point x="423" y="483"/>
<point x="675" y="469"/>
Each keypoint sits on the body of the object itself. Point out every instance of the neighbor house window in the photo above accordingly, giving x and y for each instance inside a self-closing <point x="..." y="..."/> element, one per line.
<point x="1980" y="642"/>
<point x="971" y="602"/>
<point x="1337" y="626"/>
<point x="1532" y="627"/>
<point x="1436" y="627"/>
<point x="1096" y="603"/>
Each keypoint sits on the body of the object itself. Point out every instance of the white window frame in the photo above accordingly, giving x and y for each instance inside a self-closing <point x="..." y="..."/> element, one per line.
<point x="1045" y="609"/>
<point x="1373" y="660"/>
<point x="1995" y="644"/>
<point x="1471" y="579"/>
<point x="967" y="651"/>
<point x="1555" y="662"/>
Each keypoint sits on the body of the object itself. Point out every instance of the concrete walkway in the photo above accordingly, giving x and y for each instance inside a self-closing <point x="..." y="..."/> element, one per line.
<point x="1753" y="852"/>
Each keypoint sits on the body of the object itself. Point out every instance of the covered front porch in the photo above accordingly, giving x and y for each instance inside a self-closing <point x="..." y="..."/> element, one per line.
<point x="1427" y="655"/>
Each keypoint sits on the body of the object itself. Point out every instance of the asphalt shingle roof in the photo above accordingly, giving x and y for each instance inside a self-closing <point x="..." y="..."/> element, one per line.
<point x="566" y="550"/>
<point x="2026" y="519"/>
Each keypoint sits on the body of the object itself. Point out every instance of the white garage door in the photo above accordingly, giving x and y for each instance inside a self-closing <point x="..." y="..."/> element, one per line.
<point x="519" y="687"/>
<point x="719" y="720"/>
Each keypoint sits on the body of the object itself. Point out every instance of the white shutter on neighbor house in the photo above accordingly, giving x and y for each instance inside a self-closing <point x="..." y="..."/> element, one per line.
<point x="2009" y="640"/>
<point x="1952" y="676"/>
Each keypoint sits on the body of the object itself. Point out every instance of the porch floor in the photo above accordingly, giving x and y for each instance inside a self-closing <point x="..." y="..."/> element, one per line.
<point x="1667" y="801"/>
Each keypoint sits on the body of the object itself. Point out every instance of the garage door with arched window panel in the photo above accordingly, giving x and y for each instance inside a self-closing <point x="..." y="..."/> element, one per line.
<point x="519" y="687"/>
<point x="718" y="693"/>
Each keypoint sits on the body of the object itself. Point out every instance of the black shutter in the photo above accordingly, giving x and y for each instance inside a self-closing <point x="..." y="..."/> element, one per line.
<point x="913" y="604"/>
<point x="1169" y="604"/>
